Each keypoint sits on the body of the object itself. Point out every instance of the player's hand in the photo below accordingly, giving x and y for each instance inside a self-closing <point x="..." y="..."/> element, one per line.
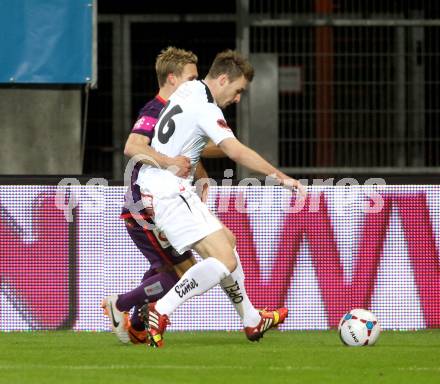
<point x="202" y="189"/>
<point x="291" y="184"/>
<point x="204" y="193"/>
<point x="301" y="189"/>
<point x="180" y="166"/>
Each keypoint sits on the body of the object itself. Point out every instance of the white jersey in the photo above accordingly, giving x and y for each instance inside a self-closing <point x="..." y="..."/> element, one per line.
<point x="185" y="125"/>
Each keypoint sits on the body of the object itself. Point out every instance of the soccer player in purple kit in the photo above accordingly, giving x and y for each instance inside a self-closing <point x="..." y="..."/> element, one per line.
<point x="173" y="67"/>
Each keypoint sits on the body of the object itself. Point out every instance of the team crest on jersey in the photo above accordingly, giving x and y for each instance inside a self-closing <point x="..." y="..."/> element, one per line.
<point x="222" y="124"/>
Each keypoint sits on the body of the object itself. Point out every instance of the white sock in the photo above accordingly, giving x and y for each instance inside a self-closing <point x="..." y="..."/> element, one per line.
<point x="195" y="281"/>
<point x="233" y="285"/>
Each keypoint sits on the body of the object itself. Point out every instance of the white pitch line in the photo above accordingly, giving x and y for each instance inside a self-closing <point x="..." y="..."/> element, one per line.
<point x="161" y="366"/>
<point x="437" y="369"/>
<point x="190" y="367"/>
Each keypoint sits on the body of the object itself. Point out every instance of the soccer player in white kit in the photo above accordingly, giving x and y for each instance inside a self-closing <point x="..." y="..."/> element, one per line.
<point x="190" y="119"/>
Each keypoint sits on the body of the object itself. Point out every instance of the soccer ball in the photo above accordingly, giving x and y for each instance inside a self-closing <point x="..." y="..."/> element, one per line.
<point x="359" y="327"/>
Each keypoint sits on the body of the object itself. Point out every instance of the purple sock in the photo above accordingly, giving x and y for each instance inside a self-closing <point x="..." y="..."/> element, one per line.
<point x="151" y="289"/>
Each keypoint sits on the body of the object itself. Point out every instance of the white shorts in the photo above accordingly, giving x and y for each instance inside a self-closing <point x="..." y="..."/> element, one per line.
<point x="184" y="219"/>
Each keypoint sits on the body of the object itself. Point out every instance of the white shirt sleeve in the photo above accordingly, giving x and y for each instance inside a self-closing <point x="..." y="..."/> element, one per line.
<point x="213" y="124"/>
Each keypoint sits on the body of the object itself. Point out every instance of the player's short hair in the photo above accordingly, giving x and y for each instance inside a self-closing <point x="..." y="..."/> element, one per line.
<point x="172" y="60"/>
<point x="233" y="64"/>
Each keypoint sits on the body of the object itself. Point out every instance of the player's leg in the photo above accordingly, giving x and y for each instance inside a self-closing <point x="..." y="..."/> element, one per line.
<point x="162" y="277"/>
<point x="217" y="250"/>
<point x="166" y="268"/>
<point x="187" y="223"/>
<point x="152" y="288"/>
<point x="136" y="330"/>
<point x="233" y="286"/>
<point x="156" y="282"/>
<point x="218" y="261"/>
<point x="255" y="322"/>
<point x="137" y="327"/>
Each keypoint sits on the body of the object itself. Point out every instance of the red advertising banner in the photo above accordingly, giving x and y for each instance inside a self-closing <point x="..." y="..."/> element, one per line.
<point x="320" y="259"/>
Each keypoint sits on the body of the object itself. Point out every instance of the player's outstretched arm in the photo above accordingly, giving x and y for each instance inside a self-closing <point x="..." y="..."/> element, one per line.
<point x="140" y="145"/>
<point x="250" y="159"/>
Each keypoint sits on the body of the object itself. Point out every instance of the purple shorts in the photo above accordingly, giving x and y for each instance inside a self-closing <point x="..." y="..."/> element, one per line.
<point x="151" y="249"/>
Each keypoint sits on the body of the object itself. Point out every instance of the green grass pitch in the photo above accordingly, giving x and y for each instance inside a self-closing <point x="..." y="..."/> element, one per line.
<point x="218" y="357"/>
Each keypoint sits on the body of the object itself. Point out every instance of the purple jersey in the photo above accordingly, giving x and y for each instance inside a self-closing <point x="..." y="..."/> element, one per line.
<point x="144" y="125"/>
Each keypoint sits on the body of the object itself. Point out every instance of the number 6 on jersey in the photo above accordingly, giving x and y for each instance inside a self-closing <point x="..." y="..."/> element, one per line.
<point x="167" y="125"/>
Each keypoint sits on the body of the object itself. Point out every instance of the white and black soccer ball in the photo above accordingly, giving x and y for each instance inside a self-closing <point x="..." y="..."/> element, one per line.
<point x="359" y="327"/>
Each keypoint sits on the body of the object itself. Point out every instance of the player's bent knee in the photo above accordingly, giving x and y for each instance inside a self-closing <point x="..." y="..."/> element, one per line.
<point x="230" y="263"/>
<point x="217" y="245"/>
<point x="227" y="258"/>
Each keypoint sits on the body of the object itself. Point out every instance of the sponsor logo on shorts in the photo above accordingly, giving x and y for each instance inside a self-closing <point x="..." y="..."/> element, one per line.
<point x="185" y="286"/>
<point x="153" y="289"/>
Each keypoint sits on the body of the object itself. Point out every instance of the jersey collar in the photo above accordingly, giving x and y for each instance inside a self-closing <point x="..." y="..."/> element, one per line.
<point x="161" y="99"/>
<point x="208" y="93"/>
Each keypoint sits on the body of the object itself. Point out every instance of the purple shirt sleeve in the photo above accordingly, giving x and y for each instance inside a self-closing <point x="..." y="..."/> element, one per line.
<point x="145" y="126"/>
<point x="148" y="117"/>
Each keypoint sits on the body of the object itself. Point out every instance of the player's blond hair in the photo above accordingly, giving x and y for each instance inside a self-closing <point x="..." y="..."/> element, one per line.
<point x="233" y="64"/>
<point x="172" y="60"/>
